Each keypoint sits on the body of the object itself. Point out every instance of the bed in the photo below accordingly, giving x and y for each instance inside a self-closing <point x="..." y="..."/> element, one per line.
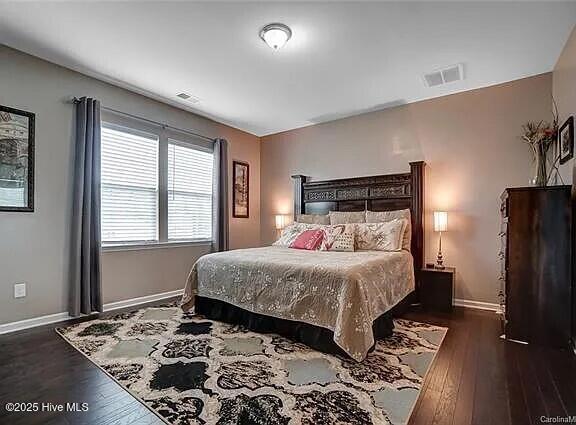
<point x="334" y="301"/>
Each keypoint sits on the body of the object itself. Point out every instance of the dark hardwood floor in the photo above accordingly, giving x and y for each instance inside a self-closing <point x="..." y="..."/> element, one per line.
<point x="476" y="378"/>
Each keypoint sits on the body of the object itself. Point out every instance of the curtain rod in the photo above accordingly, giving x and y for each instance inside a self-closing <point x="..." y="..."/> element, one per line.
<point x="163" y="125"/>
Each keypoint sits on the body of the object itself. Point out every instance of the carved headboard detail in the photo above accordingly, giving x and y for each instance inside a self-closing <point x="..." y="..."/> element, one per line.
<point x="375" y="193"/>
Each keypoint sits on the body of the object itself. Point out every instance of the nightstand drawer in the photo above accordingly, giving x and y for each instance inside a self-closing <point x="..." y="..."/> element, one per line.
<point x="437" y="288"/>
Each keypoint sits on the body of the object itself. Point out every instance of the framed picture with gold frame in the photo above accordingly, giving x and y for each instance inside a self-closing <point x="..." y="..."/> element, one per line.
<point x="241" y="189"/>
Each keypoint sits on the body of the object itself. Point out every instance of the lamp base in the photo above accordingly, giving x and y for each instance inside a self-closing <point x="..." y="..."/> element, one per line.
<point x="440" y="261"/>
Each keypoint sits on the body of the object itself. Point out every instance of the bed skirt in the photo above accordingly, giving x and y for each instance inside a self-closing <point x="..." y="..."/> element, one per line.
<point x="315" y="337"/>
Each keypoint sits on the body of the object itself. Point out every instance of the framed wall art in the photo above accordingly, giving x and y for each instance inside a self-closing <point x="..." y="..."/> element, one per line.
<point x="566" y="140"/>
<point x="241" y="190"/>
<point x="16" y="160"/>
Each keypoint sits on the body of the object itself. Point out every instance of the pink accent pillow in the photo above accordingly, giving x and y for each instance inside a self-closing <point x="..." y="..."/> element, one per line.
<point x="309" y="240"/>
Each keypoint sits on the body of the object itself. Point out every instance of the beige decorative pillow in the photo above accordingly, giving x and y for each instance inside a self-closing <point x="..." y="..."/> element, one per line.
<point x="313" y="218"/>
<point x="382" y="216"/>
<point x="339" y="237"/>
<point x="347" y="217"/>
<point x="290" y="233"/>
<point x="385" y="236"/>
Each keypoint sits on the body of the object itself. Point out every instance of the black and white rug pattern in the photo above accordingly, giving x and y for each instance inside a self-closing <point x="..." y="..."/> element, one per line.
<point x="191" y="370"/>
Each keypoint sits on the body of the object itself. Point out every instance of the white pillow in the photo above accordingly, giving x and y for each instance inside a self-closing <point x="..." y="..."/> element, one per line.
<point x="382" y="216"/>
<point x="291" y="232"/>
<point x="288" y="234"/>
<point x="385" y="236"/>
<point x="313" y="218"/>
<point x="339" y="237"/>
<point x="347" y="217"/>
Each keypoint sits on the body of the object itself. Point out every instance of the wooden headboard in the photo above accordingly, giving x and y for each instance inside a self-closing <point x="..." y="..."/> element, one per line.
<point x="375" y="193"/>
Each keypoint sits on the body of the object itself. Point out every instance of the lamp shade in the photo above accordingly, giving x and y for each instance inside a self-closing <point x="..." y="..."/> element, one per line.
<point x="440" y="221"/>
<point x="280" y="221"/>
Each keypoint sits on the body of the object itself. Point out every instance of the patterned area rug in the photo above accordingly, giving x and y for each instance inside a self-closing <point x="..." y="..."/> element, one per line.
<point x="190" y="370"/>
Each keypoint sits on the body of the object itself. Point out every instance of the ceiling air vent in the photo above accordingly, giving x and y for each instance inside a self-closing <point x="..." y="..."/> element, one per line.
<point x="444" y="76"/>
<point x="188" y="97"/>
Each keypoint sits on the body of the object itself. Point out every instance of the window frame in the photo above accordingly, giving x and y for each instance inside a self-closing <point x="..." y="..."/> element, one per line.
<point x="185" y="144"/>
<point x="165" y="136"/>
<point x="148" y="135"/>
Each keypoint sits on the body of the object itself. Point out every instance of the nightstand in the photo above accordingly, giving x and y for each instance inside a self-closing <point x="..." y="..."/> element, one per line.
<point x="437" y="288"/>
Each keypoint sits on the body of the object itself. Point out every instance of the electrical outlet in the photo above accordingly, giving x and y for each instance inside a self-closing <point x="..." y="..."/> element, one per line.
<point x="19" y="290"/>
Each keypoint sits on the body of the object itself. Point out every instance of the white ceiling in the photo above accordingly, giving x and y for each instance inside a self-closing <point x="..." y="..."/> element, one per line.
<point x="343" y="59"/>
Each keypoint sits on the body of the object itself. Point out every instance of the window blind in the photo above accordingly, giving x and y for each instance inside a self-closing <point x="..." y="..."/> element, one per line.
<point x="189" y="192"/>
<point x="129" y="199"/>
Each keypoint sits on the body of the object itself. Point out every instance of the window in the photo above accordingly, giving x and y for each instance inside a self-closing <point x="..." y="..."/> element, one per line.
<point x="129" y="203"/>
<point x="155" y="188"/>
<point x="189" y="193"/>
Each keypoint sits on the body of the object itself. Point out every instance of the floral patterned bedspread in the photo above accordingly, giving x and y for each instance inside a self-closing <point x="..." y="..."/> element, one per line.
<point x="341" y="291"/>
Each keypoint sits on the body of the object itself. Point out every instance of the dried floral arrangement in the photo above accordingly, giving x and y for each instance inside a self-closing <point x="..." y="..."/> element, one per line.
<point x="541" y="136"/>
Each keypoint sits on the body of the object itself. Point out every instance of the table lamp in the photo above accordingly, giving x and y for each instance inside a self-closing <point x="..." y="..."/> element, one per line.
<point x="440" y="225"/>
<point x="280" y="221"/>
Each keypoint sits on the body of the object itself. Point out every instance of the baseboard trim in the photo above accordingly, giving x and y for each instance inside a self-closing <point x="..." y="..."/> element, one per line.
<point x="142" y="300"/>
<point x="33" y="322"/>
<point x="479" y="305"/>
<point x="61" y="317"/>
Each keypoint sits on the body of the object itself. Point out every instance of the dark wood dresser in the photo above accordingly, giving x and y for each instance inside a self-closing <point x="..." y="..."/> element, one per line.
<point x="536" y="263"/>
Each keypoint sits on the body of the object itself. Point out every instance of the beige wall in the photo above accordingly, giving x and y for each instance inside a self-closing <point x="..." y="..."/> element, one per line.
<point x="34" y="247"/>
<point x="564" y="91"/>
<point x="470" y="144"/>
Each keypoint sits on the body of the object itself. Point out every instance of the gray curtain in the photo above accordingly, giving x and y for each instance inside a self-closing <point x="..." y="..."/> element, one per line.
<point x="220" y="196"/>
<point x="86" y="290"/>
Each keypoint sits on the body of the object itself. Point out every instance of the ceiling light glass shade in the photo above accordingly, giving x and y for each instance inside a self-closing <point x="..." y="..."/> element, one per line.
<point x="275" y="35"/>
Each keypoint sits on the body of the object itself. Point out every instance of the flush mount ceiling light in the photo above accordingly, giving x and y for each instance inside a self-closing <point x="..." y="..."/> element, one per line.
<point x="276" y="35"/>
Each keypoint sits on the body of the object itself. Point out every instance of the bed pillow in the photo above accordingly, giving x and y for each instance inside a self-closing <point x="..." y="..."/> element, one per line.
<point x="385" y="236"/>
<point x="347" y="217"/>
<point x="309" y="240"/>
<point x="313" y="218"/>
<point x="339" y="237"/>
<point x="289" y="234"/>
<point x="382" y="216"/>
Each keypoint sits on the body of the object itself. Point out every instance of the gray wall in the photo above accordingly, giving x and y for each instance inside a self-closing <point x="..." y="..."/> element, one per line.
<point x="470" y="142"/>
<point x="34" y="246"/>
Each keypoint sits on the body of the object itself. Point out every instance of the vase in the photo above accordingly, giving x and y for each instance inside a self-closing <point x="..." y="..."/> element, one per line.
<point x="540" y="175"/>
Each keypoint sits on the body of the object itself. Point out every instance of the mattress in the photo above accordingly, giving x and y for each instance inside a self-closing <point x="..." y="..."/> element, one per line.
<point x="341" y="291"/>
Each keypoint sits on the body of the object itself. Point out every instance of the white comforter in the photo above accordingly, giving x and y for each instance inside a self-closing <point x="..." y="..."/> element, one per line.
<point x="341" y="291"/>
